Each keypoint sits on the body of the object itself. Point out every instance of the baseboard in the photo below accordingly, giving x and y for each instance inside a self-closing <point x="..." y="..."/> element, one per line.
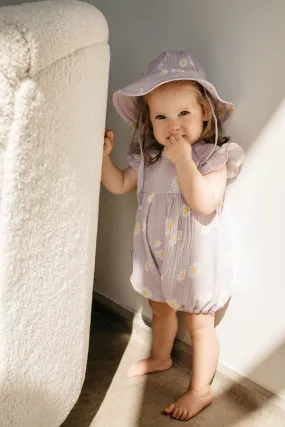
<point x="141" y="327"/>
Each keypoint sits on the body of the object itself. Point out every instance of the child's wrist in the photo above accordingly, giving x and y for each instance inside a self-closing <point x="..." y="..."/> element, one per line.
<point x="185" y="161"/>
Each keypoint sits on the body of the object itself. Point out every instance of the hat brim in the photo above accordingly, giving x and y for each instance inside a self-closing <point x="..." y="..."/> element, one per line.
<point x="125" y="99"/>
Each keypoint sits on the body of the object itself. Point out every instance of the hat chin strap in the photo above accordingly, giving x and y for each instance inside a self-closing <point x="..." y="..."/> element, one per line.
<point x="216" y="126"/>
<point x="141" y="169"/>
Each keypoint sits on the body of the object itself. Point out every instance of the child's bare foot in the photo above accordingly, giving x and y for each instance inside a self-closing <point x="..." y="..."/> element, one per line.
<point x="189" y="404"/>
<point x="146" y="366"/>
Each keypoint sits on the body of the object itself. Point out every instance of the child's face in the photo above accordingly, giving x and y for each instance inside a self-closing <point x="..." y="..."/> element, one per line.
<point x="174" y="109"/>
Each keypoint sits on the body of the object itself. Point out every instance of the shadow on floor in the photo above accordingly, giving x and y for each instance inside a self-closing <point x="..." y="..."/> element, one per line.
<point x="110" y="399"/>
<point x="106" y="349"/>
<point x="234" y="404"/>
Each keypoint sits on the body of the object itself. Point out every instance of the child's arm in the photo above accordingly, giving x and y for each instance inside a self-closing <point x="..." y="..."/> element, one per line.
<point x="115" y="180"/>
<point x="203" y="193"/>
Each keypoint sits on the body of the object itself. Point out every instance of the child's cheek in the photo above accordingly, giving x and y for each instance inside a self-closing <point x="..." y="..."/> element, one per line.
<point x="158" y="132"/>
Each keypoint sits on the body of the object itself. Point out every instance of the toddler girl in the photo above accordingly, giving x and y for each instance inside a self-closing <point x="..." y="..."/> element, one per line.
<point x="180" y="164"/>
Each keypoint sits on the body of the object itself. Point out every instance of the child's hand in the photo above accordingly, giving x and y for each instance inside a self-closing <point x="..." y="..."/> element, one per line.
<point x="178" y="149"/>
<point x="108" y="142"/>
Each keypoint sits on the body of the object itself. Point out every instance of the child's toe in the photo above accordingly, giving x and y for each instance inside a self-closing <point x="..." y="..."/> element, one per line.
<point x="183" y="416"/>
<point x="175" y="413"/>
<point x="169" y="409"/>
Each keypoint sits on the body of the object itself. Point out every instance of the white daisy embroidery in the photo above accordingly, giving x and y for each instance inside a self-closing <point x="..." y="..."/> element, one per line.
<point x="163" y="72"/>
<point x="146" y="293"/>
<point x="160" y="254"/>
<point x="150" y="198"/>
<point x="176" y="238"/>
<point x="137" y="156"/>
<point x="147" y="266"/>
<point x="194" y="270"/>
<point x="181" y="276"/>
<point x="137" y="229"/>
<point x="157" y="244"/>
<point x="183" y="62"/>
<point x="169" y="226"/>
<point x="185" y="210"/>
<point x="173" y="303"/>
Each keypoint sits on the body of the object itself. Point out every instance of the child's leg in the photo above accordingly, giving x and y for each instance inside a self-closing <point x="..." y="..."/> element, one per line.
<point x="164" y="328"/>
<point x="205" y="348"/>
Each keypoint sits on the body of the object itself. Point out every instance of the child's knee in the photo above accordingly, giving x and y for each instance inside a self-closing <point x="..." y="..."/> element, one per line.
<point x="161" y="309"/>
<point x="199" y="323"/>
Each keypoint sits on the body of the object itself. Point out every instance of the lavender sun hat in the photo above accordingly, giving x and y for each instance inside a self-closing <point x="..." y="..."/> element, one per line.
<point x="167" y="67"/>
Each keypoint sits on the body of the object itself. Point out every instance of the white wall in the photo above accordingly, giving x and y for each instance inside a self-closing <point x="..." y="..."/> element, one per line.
<point x="241" y="44"/>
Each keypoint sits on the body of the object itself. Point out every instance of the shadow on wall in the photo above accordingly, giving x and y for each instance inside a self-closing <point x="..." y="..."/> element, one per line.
<point x="240" y="51"/>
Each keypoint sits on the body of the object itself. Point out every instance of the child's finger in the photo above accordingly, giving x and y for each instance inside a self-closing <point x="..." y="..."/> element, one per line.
<point x="177" y="135"/>
<point x="108" y="134"/>
<point x="167" y="142"/>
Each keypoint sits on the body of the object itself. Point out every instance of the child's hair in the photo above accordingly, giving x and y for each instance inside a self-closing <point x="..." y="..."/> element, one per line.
<point x="151" y="148"/>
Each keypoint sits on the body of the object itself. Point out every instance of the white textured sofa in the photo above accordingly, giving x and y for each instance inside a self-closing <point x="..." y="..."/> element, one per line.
<point x="54" y="66"/>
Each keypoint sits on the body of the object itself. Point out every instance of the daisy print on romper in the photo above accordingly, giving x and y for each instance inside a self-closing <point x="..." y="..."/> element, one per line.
<point x="157" y="244"/>
<point x="194" y="271"/>
<point x="160" y="254"/>
<point x="182" y="275"/>
<point x="147" y="266"/>
<point x="173" y="303"/>
<point x="185" y="210"/>
<point x="137" y="229"/>
<point x="169" y="226"/>
<point x="177" y="237"/>
<point x="146" y="293"/>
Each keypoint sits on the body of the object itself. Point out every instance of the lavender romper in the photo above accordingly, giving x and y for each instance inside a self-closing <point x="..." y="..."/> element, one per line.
<point x="182" y="257"/>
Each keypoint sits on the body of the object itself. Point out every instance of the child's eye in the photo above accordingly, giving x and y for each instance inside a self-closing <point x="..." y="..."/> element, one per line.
<point x="184" y="113"/>
<point x="160" y="117"/>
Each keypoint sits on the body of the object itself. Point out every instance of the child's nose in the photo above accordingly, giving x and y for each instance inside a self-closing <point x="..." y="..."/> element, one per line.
<point x="174" y="126"/>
